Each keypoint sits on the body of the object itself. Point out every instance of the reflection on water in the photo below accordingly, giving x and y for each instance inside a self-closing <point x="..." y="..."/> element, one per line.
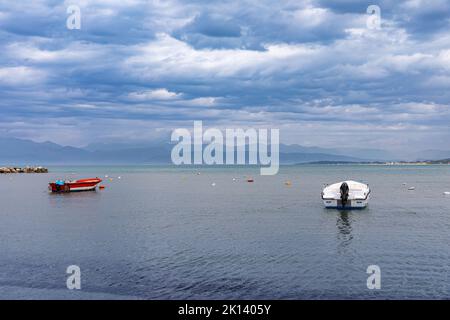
<point x="77" y="199"/>
<point x="344" y="226"/>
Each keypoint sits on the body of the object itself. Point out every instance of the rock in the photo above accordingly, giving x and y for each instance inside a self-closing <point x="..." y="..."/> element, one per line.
<point x="23" y="170"/>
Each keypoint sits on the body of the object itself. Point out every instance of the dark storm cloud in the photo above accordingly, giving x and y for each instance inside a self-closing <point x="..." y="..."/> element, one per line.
<point x="312" y="68"/>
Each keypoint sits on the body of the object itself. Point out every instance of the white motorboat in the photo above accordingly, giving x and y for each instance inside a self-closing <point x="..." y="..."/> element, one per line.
<point x="346" y="195"/>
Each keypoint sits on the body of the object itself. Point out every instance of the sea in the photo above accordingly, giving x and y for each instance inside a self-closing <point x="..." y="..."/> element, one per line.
<point x="167" y="232"/>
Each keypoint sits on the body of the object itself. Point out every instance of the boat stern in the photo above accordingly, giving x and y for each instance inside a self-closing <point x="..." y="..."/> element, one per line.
<point x="350" y="204"/>
<point x="346" y="195"/>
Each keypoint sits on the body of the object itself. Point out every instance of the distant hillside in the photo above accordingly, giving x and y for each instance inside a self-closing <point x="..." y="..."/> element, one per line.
<point x="19" y="151"/>
<point x="23" y="152"/>
<point x="366" y="153"/>
<point x="432" y="154"/>
<point x="294" y="158"/>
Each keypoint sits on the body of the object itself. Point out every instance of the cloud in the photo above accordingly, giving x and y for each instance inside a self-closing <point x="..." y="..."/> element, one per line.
<point x="21" y="76"/>
<point x="157" y="94"/>
<point x="311" y="68"/>
<point x="74" y="52"/>
<point x="202" y="102"/>
<point x="214" y="26"/>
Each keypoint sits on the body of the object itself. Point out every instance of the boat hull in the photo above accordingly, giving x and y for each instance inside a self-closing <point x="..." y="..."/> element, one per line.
<point x="351" y="204"/>
<point x="75" y="186"/>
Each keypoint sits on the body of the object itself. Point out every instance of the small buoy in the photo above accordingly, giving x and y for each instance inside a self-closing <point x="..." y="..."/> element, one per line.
<point x="119" y="177"/>
<point x="412" y="188"/>
<point x="198" y="173"/>
<point x="106" y="176"/>
<point x="447" y="193"/>
<point x="250" y="180"/>
<point x="101" y="187"/>
<point x="213" y="184"/>
<point x="234" y="179"/>
<point x="110" y="179"/>
<point x="288" y="183"/>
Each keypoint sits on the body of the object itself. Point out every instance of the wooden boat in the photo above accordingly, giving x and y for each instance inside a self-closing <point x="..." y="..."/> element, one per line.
<point x="73" y="186"/>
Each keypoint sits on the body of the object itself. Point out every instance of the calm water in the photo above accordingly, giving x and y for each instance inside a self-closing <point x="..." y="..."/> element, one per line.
<point x="167" y="233"/>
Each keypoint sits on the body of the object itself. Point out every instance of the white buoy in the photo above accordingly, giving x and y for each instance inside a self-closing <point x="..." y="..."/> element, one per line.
<point x="119" y="177"/>
<point x="106" y="176"/>
<point x="213" y="184"/>
<point x="447" y="193"/>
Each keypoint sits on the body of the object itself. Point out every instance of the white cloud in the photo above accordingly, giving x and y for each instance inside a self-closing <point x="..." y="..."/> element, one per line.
<point x="157" y="94"/>
<point x="167" y="56"/>
<point x="201" y="102"/>
<point x="19" y="76"/>
<point x="74" y="52"/>
<point x="312" y="17"/>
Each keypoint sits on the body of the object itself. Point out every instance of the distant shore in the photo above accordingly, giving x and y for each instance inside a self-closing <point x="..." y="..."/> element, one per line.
<point x="388" y="163"/>
<point x="23" y="170"/>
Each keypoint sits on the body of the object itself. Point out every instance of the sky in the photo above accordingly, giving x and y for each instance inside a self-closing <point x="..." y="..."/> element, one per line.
<point x="315" y="69"/>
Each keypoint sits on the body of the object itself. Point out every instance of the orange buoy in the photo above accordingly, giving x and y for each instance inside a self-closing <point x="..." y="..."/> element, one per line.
<point x="101" y="187"/>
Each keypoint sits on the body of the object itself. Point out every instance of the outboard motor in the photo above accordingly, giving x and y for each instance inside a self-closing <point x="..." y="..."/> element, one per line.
<point x="344" y="193"/>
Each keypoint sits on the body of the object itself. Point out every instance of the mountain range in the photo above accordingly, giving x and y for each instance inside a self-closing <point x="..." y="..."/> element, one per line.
<point x="15" y="151"/>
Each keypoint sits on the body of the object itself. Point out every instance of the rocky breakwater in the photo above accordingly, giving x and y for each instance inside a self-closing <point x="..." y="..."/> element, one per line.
<point x="23" y="170"/>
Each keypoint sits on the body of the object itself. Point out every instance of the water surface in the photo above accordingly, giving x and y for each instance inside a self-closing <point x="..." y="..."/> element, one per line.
<point x="167" y="233"/>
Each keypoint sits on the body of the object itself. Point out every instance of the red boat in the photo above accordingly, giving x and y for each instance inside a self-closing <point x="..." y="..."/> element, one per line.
<point x="73" y="186"/>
